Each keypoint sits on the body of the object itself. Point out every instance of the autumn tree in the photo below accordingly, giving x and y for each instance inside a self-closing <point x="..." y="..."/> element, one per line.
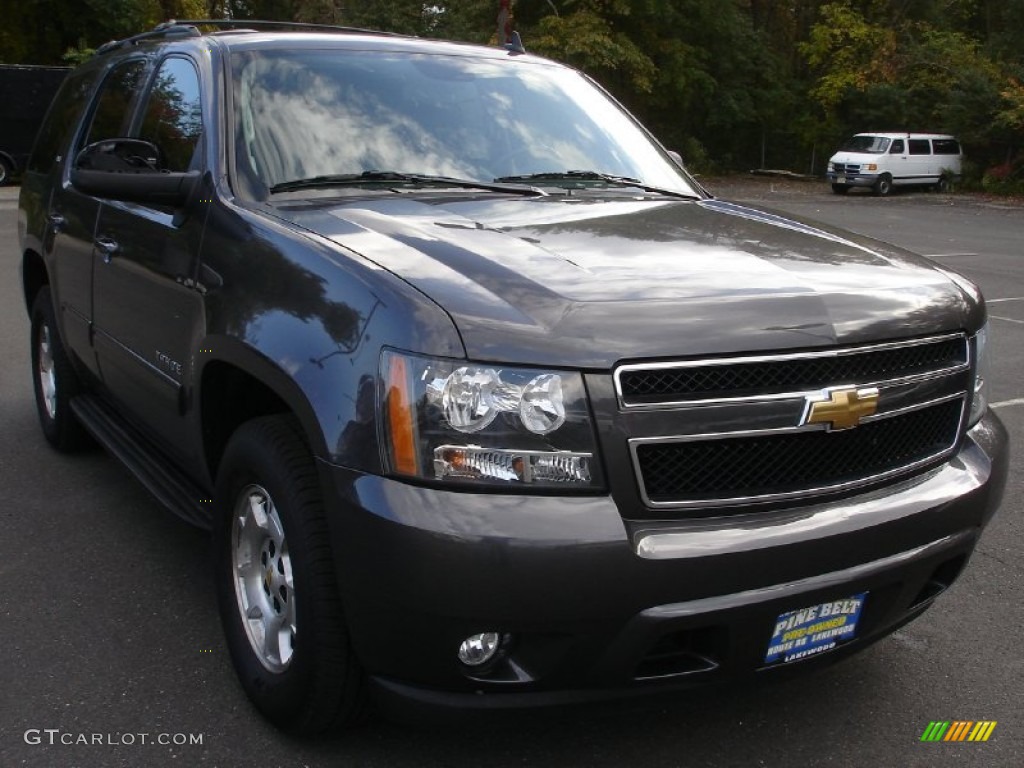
<point x="879" y="69"/>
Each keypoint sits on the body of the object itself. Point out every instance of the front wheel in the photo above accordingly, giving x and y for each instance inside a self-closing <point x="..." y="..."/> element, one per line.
<point x="883" y="187"/>
<point x="276" y="587"/>
<point x="6" y="171"/>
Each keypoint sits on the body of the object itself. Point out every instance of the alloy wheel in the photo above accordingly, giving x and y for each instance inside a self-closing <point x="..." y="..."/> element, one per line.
<point x="47" y="374"/>
<point x="263" y="578"/>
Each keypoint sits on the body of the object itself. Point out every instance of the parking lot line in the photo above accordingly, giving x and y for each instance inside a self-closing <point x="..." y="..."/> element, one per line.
<point x="1006" y="403"/>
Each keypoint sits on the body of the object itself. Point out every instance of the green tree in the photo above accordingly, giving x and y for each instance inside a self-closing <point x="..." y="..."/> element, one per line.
<point x="889" y="65"/>
<point x="595" y="37"/>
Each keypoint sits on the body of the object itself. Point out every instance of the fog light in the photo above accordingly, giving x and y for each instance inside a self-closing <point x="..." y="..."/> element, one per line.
<point x="479" y="649"/>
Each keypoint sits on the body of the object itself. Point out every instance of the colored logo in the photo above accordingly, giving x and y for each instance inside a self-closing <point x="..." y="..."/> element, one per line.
<point x="841" y="407"/>
<point x="958" y="730"/>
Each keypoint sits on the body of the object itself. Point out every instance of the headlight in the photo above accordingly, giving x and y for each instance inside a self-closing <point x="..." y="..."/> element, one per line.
<point x="455" y="421"/>
<point x="831" y="165"/>
<point x="871" y="167"/>
<point x="982" y="369"/>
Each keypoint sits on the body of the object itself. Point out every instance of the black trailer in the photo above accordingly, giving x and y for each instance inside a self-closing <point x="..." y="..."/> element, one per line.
<point x="25" y="94"/>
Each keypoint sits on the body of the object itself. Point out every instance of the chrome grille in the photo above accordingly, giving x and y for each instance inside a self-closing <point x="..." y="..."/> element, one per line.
<point x="784" y="464"/>
<point x="667" y="383"/>
<point x="715" y="433"/>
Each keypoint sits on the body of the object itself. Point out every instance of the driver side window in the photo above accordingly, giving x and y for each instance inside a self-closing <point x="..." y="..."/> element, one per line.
<point x="897" y="147"/>
<point x="173" y="117"/>
<point x="113" y="111"/>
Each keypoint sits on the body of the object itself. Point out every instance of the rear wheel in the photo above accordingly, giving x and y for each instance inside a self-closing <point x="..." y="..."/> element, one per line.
<point x="54" y="381"/>
<point x="840" y="189"/>
<point x="276" y="587"/>
<point x="6" y="171"/>
<point x="944" y="185"/>
<point x="883" y="187"/>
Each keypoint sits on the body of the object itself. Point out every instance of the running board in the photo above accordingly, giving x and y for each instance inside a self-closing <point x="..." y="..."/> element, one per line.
<point x="169" y="485"/>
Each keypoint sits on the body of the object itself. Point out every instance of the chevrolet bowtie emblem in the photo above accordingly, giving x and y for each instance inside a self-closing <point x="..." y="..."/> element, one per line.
<point x="840" y="407"/>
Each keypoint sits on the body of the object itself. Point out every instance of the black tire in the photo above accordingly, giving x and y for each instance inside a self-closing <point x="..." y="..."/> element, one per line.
<point x="307" y="681"/>
<point x="6" y="171"/>
<point x="883" y="187"/>
<point x="944" y="186"/>
<point x="54" y="381"/>
<point x="840" y="189"/>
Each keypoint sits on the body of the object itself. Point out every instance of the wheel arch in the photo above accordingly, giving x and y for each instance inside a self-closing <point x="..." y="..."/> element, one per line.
<point x="8" y="158"/>
<point x="241" y="385"/>
<point x="33" y="277"/>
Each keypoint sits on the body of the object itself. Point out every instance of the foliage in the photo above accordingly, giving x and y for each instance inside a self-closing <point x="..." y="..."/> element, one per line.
<point x="1005" y="179"/>
<point x="591" y="37"/>
<point x="851" y="53"/>
<point x="730" y="83"/>
<point x="903" y="71"/>
<point x="1012" y="115"/>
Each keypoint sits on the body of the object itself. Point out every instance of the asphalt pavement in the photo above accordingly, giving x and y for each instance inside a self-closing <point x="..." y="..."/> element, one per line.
<point x="113" y="653"/>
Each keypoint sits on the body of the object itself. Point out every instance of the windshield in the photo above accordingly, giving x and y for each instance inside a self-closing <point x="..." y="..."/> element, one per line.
<point x="313" y="113"/>
<point x="874" y="145"/>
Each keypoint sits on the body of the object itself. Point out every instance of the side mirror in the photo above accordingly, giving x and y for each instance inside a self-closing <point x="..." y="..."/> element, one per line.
<point x="120" y="156"/>
<point x="130" y="170"/>
<point x="677" y="157"/>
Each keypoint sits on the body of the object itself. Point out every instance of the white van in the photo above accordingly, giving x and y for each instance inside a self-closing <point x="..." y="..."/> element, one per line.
<point x="883" y="160"/>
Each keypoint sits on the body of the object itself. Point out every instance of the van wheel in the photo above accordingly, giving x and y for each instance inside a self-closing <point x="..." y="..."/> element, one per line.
<point x="6" y="171"/>
<point x="276" y="583"/>
<point x="840" y="189"/>
<point x="883" y="187"/>
<point x="944" y="185"/>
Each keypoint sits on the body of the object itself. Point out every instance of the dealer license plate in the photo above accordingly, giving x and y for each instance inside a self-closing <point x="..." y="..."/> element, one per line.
<point x="813" y="630"/>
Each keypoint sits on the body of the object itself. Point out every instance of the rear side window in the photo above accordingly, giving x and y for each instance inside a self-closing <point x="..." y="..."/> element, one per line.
<point x="173" y="117"/>
<point x="114" y="105"/>
<point x="61" y="121"/>
<point x="920" y="146"/>
<point x="946" y="146"/>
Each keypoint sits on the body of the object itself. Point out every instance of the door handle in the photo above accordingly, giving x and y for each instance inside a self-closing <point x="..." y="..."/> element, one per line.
<point x="107" y="247"/>
<point x="57" y="221"/>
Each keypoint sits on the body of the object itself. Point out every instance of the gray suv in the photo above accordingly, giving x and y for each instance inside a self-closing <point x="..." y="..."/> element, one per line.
<point x="486" y="401"/>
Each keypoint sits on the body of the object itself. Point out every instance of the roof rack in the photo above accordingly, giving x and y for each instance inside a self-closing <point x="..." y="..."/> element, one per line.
<point x="167" y="29"/>
<point x="293" y="25"/>
<point x="190" y="28"/>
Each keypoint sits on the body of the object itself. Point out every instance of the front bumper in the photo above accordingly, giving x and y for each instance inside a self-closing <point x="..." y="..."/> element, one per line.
<point x="852" y="179"/>
<point x="594" y="605"/>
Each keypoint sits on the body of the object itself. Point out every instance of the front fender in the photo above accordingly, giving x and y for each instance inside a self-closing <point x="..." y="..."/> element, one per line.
<point x="308" y="319"/>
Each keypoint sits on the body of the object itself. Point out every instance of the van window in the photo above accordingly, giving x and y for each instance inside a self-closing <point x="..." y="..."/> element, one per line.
<point x="920" y="146"/>
<point x="897" y="147"/>
<point x="946" y="146"/>
<point x="875" y="145"/>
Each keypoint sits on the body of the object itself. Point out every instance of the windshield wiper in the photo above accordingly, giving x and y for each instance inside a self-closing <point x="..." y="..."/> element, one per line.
<point x="376" y="177"/>
<point x="626" y="181"/>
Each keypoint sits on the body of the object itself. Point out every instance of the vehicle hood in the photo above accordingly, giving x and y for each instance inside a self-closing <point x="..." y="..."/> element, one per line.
<point x="857" y="157"/>
<point x="571" y="280"/>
